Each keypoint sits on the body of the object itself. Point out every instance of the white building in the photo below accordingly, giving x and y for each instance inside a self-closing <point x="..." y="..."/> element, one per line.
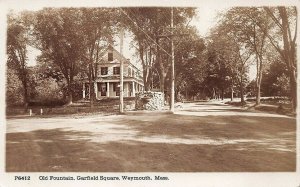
<point x="107" y="83"/>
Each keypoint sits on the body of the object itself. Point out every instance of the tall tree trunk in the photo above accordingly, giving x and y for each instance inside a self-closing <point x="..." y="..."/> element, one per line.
<point x="91" y="86"/>
<point x="242" y="90"/>
<point x="242" y="95"/>
<point x="257" y="94"/>
<point x="231" y="92"/>
<point x="186" y="94"/>
<point x="23" y="72"/>
<point x="258" y="82"/>
<point x="161" y="67"/>
<point x="162" y="79"/>
<point x="214" y="94"/>
<point x="24" y="82"/>
<point x="293" y="90"/>
<point x="146" y="74"/>
<point x="222" y="93"/>
<point x="146" y="78"/>
<point x="70" y="90"/>
<point x="289" y="55"/>
<point x="70" y="95"/>
<point x="258" y="90"/>
<point x="92" y="93"/>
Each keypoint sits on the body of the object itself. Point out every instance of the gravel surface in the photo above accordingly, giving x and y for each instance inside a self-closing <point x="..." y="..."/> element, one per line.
<point x="198" y="137"/>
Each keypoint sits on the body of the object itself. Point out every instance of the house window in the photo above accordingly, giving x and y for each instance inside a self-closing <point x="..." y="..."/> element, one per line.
<point x="116" y="88"/>
<point x="110" y="56"/>
<point x="104" y="70"/>
<point x="116" y="70"/>
<point x="129" y="72"/>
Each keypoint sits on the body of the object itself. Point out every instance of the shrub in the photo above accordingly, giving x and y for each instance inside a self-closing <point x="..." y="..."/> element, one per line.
<point x="14" y="89"/>
<point x="48" y="93"/>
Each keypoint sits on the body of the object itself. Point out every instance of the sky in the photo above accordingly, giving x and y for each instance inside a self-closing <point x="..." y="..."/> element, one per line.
<point x="205" y="19"/>
<point x="203" y="22"/>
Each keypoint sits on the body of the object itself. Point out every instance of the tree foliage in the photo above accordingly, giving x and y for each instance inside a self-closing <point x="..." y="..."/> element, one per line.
<point x="60" y="37"/>
<point x="17" y="42"/>
<point x="189" y="62"/>
<point x="228" y="60"/>
<point x="14" y="88"/>
<point x="254" y="31"/>
<point x="72" y="40"/>
<point x="98" y="28"/>
<point x="285" y="21"/>
<point x="151" y="29"/>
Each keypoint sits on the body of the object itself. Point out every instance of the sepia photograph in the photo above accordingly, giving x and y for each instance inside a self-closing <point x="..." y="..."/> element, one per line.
<point x="136" y="93"/>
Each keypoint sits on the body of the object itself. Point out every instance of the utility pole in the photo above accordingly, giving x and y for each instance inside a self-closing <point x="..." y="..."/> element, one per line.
<point x="121" y="72"/>
<point x="172" y="65"/>
<point x="171" y="36"/>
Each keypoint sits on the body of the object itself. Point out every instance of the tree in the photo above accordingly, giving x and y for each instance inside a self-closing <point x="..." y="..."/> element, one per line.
<point x="270" y="85"/>
<point x="97" y="26"/>
<point x="285" y="19"/>
<point x="14" y="88"/>
<point x="143" y="23"/>
<point x="52" y="93"/>
<point x="252" y="26"/>
<point x="227" y="59"/>
<point x="247" y="32"/>
<point x="151" y="30"/>
<point x="60" y="37"/>
<point x="17" y="41"/>
<point x="189" y="58"/>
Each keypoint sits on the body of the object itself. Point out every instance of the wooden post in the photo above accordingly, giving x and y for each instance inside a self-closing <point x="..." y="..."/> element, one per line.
<point x="133" y="89"/>
<point x="30" y="112"/>
<point x="83" y="90"/>
<point x="96" y="89"/>
<point x="107" y="89"/>
<point x="172" y="67"/>
<point x="121" y="71"/>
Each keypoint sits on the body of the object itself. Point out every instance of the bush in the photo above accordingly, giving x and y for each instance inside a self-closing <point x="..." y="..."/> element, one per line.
<point x="270" y="99"/>
<point x="14" y="89"/>
<point x="236" y="103"/>
<point x="46" y="103"/>
<point x="47" y="93"/>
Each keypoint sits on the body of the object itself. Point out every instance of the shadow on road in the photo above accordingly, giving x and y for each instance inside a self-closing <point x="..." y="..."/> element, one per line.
<point x="154" y="142"/>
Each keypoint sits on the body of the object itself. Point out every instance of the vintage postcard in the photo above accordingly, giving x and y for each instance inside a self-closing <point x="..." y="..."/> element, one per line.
<point x="139" y="93"/>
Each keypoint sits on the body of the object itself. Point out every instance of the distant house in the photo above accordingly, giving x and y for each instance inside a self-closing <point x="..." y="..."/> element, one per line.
<point x="108" y="77"/>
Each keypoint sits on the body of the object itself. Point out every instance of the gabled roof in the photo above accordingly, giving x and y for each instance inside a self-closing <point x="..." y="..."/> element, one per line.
<point x="116" y="55"/>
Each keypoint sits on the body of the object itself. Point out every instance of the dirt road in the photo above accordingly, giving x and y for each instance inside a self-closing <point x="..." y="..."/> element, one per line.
<point x="199" y="137"/>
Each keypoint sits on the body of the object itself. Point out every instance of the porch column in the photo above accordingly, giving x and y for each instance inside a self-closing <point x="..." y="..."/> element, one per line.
<point x="133" y="89"/>
<point x="83" y="90"/>
<point x="96" y="89"/>
<point x="107" y="89"/>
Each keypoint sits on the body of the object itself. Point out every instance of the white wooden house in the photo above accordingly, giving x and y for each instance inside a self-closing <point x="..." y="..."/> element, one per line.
<point x="108" y="77"/>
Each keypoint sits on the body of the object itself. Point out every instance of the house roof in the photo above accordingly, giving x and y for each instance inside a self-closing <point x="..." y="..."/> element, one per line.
<point x="116" y="56"/>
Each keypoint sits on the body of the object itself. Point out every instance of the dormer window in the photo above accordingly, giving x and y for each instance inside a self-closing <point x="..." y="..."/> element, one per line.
<point x="110" y="56"/>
